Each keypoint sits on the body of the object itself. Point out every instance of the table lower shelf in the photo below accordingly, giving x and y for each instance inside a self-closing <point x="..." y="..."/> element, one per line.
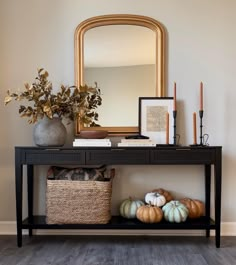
<point x="117" y="222"/>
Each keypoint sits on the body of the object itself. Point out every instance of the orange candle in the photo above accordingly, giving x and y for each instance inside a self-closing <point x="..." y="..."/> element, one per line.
<point x="194" y="128"/>
<point x="201" y="96"/>
<point x="174" y="107"/>
<point x="167" y="127"/>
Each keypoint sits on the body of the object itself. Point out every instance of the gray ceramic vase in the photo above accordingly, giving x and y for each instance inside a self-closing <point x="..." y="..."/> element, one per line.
<point x="49" y="132"/>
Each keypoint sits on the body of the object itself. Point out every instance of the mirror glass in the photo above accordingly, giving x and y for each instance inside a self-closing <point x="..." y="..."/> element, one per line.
<point x="121" y="59"/>
<point x="124" y="54"/>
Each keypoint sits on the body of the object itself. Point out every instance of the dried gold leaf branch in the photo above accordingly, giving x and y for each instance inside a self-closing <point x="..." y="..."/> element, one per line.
<point x="70" y="102"/>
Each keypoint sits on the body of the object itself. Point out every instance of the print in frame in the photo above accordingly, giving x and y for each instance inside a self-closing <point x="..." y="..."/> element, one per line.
<point x="156" y="118"/>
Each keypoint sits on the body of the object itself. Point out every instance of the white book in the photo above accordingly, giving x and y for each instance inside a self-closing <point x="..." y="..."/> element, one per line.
<point x="91" y="140"/>
<point x="136" y="144"/>
<point x="91" y="144"/>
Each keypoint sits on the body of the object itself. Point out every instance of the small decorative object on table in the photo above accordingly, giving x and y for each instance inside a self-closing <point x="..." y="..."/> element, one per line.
<point x="136" y="140"/>
<point x="203" y="137"/>
<point x="93" y="134"/>
<point x="153" y="120"/>
<point x="70" y="102"/>
<point x="201" y="112"/>
<point x="137" y="136"/>
<point x="49" y="132"/>
<point x="174" y="115"/>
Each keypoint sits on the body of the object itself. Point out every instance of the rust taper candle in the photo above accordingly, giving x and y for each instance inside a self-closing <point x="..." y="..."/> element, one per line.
<point x="174" y="105"/>
<point x="167" y="127"/>
<point x="201" y="96"/>
<point x="194" y="128"/>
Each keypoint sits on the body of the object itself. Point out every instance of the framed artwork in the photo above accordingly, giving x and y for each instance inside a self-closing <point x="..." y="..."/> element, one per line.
<point x="156" y="119"/>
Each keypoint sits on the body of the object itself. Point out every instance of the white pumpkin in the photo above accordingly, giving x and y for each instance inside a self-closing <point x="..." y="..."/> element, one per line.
<point x="175" y="212"/>
<point x="129" y="207"/>
<point x="155" y="198"/>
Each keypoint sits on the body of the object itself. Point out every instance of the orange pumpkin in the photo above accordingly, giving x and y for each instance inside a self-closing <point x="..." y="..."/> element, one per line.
<point x="196" y="208"/>
<point x="149" y="214"/>
<point x="165" y="193"/>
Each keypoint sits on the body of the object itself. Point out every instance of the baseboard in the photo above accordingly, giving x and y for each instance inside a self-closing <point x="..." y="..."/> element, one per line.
<point x="227" y="229"/>
<point x="8" y="228"/>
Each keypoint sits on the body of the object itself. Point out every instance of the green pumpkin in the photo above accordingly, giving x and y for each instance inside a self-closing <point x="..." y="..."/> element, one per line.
<point x="129" y="207"/>
<point x="175" y="212"/>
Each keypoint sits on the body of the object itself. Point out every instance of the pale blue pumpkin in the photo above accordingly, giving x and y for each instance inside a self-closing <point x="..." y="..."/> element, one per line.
<point x="129" y="207"/>
<point x="175" y="212"/>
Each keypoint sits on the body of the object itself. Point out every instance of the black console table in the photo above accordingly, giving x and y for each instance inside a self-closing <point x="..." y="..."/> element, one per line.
<point x="163" y="155"/>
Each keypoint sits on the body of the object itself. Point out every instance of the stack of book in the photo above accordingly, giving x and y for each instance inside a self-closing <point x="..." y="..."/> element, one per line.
<point x="91" y="142"/>
<point x="136" y="142"/>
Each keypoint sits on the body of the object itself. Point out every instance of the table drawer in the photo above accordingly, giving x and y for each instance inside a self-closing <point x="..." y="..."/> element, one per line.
<point x="53" y="157"/>
<point x="182" y="156"/>
<point x="117" y="157"/>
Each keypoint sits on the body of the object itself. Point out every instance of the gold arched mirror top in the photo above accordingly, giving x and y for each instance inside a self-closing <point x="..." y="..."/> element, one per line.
<point x="120" y="19"/>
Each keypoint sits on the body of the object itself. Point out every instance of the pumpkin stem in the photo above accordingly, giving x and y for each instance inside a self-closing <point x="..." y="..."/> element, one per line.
<point x="176" y="203"/>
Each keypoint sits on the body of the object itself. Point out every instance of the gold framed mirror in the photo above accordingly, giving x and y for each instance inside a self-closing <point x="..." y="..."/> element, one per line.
<point x="144" y="58"/>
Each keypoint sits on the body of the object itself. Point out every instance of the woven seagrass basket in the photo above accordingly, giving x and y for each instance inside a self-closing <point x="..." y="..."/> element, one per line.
<point x="78" y="202"/>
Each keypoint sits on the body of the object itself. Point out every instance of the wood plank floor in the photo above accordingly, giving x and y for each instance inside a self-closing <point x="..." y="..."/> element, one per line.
<point x="115" y="250"/>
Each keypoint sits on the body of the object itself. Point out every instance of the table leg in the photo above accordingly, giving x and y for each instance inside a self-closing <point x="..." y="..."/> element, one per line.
<point x="207" y="195"/>
<point x="30" y="183"/>
<point x="18" y="183"/>
<point x="218" y="180"/>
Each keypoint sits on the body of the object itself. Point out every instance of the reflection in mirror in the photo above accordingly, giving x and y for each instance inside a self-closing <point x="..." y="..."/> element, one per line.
<point x="124" y="54"/>
<point x="121" y="59"/>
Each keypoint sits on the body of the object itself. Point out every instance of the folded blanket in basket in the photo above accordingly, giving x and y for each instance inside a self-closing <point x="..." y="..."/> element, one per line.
<point x="79" y="173"/>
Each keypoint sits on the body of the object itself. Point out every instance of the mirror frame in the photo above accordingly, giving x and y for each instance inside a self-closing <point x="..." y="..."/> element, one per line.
<point x="119" y="19"/>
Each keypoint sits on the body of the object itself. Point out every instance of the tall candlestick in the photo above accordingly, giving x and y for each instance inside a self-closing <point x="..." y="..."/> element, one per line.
<point x="174" y="126"/>
<point x="167" y="127"/>
<point x="174" y="106"/>
<point x="194" y="128"/>
<point x="201" y="96"/>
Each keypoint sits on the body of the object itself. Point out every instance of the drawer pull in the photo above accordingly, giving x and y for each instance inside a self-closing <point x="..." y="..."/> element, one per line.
<point x="184" y="149"/>
<point x="117" y="150"/>
<point x="52" y="149"/>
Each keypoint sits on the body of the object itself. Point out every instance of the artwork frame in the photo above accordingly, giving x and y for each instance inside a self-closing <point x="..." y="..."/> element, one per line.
<point x="153" y="119"/>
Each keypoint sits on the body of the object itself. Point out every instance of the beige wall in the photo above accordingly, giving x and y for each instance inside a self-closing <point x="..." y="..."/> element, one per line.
<point x="201" y="43"/>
